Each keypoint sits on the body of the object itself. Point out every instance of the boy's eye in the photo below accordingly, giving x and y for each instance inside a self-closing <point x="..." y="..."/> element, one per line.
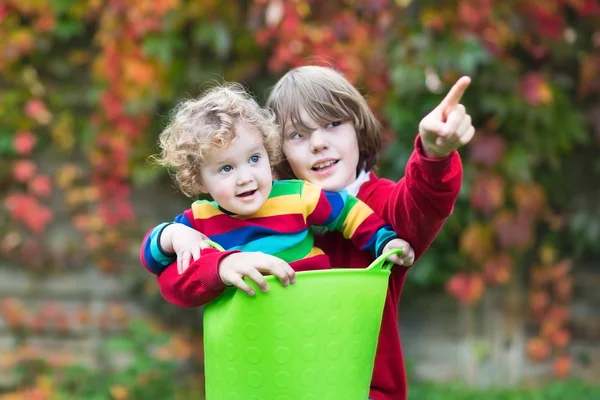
<point x="255" y="158"/>
<point x="295" y="135"/>
<point x="225" y="169"/>
<point x="333" y="124"/>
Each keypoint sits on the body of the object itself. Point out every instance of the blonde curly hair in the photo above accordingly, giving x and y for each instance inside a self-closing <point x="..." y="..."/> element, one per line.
<point x="203" y="125"/>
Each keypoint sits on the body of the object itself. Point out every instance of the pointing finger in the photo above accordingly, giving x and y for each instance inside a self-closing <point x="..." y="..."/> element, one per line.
<point x="454" y="95"/>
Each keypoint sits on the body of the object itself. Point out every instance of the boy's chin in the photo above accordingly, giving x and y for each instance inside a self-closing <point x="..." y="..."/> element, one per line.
<point x="330" y="183"/>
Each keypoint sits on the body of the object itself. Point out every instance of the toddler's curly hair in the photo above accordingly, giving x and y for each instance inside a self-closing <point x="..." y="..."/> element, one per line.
<point x="202" y="125"/>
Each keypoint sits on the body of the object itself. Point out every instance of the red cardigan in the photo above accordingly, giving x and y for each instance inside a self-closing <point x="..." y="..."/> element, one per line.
<point x="416" y="206"/>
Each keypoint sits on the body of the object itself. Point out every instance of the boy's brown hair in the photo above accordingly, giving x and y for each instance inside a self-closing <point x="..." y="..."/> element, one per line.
<point x="327" y="96"/>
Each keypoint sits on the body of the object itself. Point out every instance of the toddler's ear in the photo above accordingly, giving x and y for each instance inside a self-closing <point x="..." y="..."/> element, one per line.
<point x="203" y="188"/>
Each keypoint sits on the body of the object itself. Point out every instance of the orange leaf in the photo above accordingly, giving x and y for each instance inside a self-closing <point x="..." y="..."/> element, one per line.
<point x="498" y="270"/>
<point x="530" y="198"/>
<point x="537" y="349"/>
<point x="539" y="301"/>
<point x="561" y="338"/>
<point x="487" y="192"/>
<point x="562" y="366"/>
<point x="477" y="242"/>
<point x="119" y="392"/>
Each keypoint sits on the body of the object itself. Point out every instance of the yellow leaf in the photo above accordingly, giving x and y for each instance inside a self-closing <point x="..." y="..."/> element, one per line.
<point x="119" y="392"/>
<point x="62" y="132"/>
<point x="477" y="242"/>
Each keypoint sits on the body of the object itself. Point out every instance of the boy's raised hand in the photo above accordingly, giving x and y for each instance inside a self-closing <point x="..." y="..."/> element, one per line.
<point x="234" y="267"/>
<point x="448" y="126"/>
<point x="406" y="258"/>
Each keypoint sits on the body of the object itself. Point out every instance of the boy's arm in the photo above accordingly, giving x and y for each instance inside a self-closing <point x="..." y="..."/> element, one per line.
<point x="153" y="254"/>
<point x="418" y="205"/>
<point x="198" y="285"/>
<point x="346" y="214"/>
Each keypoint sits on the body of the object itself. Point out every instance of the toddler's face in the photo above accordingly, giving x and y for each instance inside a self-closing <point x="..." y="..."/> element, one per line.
<point x="239" y="177"/>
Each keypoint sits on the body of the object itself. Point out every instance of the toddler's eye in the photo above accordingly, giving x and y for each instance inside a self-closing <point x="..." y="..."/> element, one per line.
<point x="333" y="124"/>
<point x="225" y="169"/>
<point x="255" y="158"/>
<point x="295" y="135"/>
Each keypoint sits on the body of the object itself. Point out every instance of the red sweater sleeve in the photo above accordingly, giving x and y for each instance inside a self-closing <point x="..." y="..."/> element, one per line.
<point x="198" y="285"/>
<point x="418" y="205"/>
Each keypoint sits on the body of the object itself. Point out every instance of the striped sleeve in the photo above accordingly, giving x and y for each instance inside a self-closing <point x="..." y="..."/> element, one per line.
<point x="338" y="211"/>
<point x="153" y="257"/>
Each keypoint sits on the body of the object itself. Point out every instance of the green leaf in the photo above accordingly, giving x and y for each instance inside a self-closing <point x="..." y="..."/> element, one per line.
<point x="66" y="29"/>
<point x="164" y="47"/>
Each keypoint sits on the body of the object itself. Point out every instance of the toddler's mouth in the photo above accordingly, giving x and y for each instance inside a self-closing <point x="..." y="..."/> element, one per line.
<point x="247" y="194"/>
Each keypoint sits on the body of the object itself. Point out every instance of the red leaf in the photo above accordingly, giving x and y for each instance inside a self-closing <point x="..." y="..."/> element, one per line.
<point x="537" y="349"/>
<point x="41" y="186"/>
<point x="535" y="90"/>
<point x="36" y="109"/>
<point x="487" y="150"/>
<point x="467" y="288"/>
<point x="487" y="192"/>
<point x="562" y="366"/>
<point x="24" y="142"/>
<point x="23" y="170"/>
<point x="514" y="231"/>
<point x="497" y="271"/>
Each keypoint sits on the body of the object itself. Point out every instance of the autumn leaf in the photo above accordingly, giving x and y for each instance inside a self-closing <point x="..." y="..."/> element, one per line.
<point x="562" y="366"/>
<point x="36" y="110"/>
<point x="477" y="242"/>
<point x="487" y="192"/>
<point x="537" y="349"/>
<point x="498" y="270"/>
<point x="539" y="301"/>
<point x="119" y="392"/>
<point x="24" y="142"/>
<point x="467" y="288"/>
<point x="24" y="170"/>
<point x="487" y="150"/>
<point x="514" y="231"/>
<point x="561" y="338"/>
<point x="530" y="198"/>
<point x="535" y="90"/>
<point x="41" y="185"/>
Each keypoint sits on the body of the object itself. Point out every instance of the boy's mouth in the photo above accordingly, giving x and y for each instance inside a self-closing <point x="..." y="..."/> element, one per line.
<point x="322" y="165"/>
<point x="247" y="194"/>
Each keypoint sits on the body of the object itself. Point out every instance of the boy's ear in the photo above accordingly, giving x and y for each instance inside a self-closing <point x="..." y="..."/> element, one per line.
<point x="203" y="188"/>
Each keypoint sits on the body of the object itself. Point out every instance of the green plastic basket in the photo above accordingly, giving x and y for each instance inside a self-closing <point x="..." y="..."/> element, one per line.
<point x="313" y="340"/>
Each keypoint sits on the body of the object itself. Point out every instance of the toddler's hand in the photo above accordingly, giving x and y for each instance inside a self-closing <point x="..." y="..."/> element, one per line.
<point x="184" y="241"/>
<point x="234" y="267"/>
<point x="406" y="258"/>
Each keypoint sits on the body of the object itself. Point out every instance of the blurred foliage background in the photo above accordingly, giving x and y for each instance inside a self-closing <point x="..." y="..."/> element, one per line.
<point x="85" y="86"/>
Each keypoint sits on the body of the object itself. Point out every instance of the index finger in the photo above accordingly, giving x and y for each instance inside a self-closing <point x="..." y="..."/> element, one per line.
<point x="453" y="97"/>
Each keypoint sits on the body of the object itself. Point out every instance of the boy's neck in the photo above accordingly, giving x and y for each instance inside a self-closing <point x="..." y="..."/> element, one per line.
<point x="353" y="188"/>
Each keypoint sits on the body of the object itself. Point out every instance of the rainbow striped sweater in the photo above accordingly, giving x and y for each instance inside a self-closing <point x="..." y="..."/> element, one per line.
<point x="281" y="227"/>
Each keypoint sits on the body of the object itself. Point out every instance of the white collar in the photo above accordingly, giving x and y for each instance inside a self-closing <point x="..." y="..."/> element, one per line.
<point x="354" y="187"/>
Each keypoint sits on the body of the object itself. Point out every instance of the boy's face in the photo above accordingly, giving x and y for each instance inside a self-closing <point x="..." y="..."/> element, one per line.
<point x="239" y="177"/>
<point x="328" y="156"/>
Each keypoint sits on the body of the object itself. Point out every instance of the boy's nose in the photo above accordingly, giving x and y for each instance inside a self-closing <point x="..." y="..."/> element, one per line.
<point x="317" y="141"/>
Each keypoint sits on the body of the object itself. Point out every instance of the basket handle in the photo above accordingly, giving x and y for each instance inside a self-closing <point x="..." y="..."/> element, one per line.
<point x="214" y="244"/>
<point x="381" y="261"/>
